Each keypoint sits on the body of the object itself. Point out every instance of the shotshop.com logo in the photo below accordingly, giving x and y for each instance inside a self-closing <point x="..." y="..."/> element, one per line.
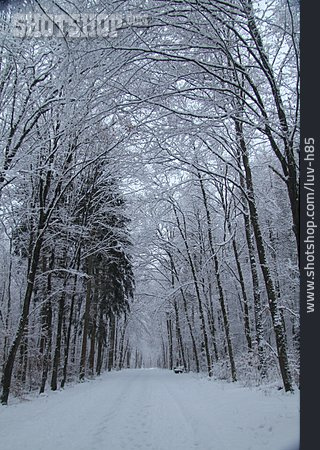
<point x="32" y="25"/>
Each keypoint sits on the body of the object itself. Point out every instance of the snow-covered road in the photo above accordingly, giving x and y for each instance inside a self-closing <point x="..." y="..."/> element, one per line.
<point x="152" y="409"/>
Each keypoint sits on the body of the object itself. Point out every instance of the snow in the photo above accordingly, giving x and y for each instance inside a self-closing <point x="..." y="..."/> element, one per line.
<point x="153" y="409"/>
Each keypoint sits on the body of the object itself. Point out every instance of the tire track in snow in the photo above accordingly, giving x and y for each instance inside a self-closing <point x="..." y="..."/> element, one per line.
<point x="186" y="409"/>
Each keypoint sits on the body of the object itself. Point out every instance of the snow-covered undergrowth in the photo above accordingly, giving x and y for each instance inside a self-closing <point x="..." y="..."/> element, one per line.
<point x="153" y="409"/>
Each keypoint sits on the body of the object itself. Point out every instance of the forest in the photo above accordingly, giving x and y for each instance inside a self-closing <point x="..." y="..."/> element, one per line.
<point x="149" y="184"/>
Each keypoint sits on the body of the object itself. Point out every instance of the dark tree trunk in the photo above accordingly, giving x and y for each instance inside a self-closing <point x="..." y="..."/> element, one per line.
<point x="179" y="334"/>
<point x="8" y="366"/>
<point x="245" y="302"/>
<point x="101" y="333"/>
<point x="212" y="328"/>
<point x="111" y="343"/>
<point x="68" y="338"/>
<point x="23" y="356"/>
<point x="83" y="356"/>
<point x="94" y="307"/>
<point x="170" y="341"/>
<point x="8" y="312"/>
<point x="57" y="351"/>
<point x="271" y="292"/>
<point x="185" y="307"/>
<point x="47" y="329"/>
<point x="75" y="332"/>
<point x="46" y="326"/>
<point x="115" y="348"/>
<point x="198" y="295"/>
<point x="99" y="356"/>
<point x="121" y="345"/>
<point x="128" y="357"/>
<point x="219" y="284"/>
<point x="255" y="284"/>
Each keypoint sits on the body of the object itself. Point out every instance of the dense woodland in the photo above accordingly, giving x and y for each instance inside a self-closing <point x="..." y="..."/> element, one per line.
<point x="149" y="188"/>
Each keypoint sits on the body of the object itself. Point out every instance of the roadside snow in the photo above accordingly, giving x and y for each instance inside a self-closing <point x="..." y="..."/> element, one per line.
<point x="153" y="409"/>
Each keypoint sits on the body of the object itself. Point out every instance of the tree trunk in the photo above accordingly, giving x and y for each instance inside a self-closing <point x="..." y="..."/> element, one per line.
<point x="255" y="283"/>
<point x="46" y="327"/>
<point x="219" y="284"/>
<point x="179" y="334"/>
<point x="57" y="351"/>
<point x="185" y="307"/>
<point x="272" y="296"/>
<point x="115" y="348"/>
<point x="8" y="366"/>
<point x="196" y="286"/>
<point x="245" y="302"/>
<point x="170" y="341"/>
<point x="83" y="356"/>
<point x="46" y="357"/>
<point x="23" y="357"/>
<point x="112" y="331"/>
<point x="128" y="357"/>
<point x="100" y="342"/>
<point x="68" y="339"/>
<point x="8" y="312"/>
<point x="212" y="328"/>
<point x="94" y="307"/>
<point x="121" y="345"/>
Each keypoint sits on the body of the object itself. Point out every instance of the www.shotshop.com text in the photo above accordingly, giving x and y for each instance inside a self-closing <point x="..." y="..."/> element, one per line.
<point x="309" y="215"/>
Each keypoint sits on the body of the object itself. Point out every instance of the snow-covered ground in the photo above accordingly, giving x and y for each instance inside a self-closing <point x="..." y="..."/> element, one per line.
<point x="153" y="409"/>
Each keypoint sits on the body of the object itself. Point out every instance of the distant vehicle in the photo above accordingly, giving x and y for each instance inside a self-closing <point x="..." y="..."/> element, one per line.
<point x="178" y="369"/>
